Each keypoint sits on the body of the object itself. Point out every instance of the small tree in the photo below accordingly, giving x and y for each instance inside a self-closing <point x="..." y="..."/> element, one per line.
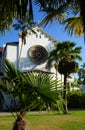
<point x="27" y="88"/>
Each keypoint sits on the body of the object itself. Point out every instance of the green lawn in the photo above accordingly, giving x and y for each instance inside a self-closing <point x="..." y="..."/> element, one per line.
<point x="75" y="120"/>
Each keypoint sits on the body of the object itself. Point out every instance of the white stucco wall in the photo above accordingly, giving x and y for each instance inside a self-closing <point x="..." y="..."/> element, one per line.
<point x="11" y="53"/>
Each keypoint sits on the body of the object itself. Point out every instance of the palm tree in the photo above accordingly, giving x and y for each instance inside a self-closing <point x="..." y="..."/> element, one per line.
<point x="64" y="12"/>
<point x="28" y="89"/>
<point x="56" y="10"/>
<point x="33" y="81"/>
<point x="16" y="9"/>
<point x="65" y="54"/>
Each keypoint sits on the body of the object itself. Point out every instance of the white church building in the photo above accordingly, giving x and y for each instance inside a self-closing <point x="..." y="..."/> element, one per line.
<point x="31" y="55"/>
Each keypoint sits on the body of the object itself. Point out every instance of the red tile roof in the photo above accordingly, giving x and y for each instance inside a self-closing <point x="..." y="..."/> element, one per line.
<point x="1" y="49"/>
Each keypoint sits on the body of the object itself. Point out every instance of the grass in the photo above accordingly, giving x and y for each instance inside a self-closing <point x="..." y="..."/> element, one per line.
<point x="75" y="120"/>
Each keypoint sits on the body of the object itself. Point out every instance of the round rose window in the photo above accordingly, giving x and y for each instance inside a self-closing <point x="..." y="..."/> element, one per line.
<point x="38" y="54"/>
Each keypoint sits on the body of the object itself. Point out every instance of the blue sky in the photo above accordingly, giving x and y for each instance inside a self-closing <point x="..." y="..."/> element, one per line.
<point x="54" y="30"/>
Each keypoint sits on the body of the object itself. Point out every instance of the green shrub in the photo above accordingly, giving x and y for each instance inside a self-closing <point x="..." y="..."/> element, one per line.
<point x="76" y="100"/>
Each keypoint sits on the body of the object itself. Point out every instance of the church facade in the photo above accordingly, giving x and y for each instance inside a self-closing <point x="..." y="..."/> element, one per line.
<point x="29" y="54"/>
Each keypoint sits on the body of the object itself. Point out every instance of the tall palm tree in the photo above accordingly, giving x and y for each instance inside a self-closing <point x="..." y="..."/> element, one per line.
<point x="64" y="11"/>
<point x="56" y="10"/>
<point x="65" y="54"/>
<point x="16" y="9"/>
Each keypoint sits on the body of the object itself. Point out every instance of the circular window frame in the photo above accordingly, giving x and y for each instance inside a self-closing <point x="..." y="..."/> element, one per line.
<point x="38" y="54"/>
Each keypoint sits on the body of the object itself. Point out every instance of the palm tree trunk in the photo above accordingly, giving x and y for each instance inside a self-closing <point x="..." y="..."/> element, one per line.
<point x="65" y="109"/>
<point x="20" y="123"/>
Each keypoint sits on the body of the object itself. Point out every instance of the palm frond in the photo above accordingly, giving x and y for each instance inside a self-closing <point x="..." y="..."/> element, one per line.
<point x="10" y="69"/>
<point x="73" y="25"/>
<point x="43" y="84"/>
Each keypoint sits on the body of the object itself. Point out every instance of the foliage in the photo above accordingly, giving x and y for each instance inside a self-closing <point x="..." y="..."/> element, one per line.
<point x="75" y="84"/>
<point x="64" y="50"/>
<point x="81" y="74"/>
<point x="64" y="55"/>
<point x="67" y="12"/>
<point x="30" y="88"/>
<point x="63" y="12"/>
<point x="58" y="106"/>
<point x="76" y="99"/>
<point x="14" y="9"/>
<point x="55" y="11"/>
<point x="3" y="89"/>
<point x="73" y="25"/>
<point x="67" y="67"/>
<point x="1" y="99"/>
